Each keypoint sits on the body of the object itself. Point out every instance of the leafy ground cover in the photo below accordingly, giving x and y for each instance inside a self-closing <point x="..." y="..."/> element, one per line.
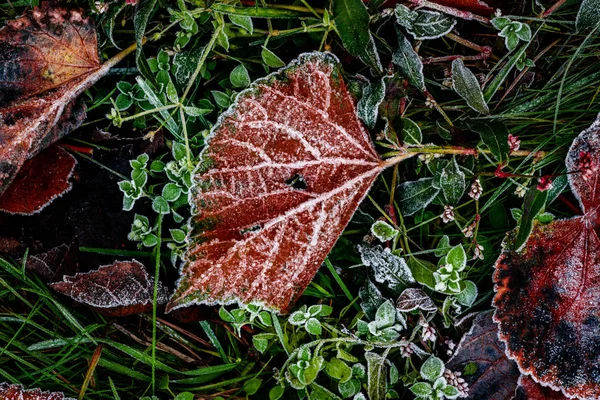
<point x="320" y="200"/>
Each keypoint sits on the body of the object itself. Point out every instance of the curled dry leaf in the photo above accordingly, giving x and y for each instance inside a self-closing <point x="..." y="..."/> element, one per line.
<point x="54" y="263"/>
<point x="40" y="180"/>
<point x="285" y="169"/>
<point x="17" y="392"/>
<point x="119" y="289"/>
<point x="484" y="366"/>
<point x="529" y="389"/>
<point x="413" y="299"/>
<point x="551" y="288"/>
<point x="48" y="57"/>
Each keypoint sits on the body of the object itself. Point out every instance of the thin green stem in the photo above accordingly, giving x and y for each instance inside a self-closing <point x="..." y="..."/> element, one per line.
<point x="155" y="296"/>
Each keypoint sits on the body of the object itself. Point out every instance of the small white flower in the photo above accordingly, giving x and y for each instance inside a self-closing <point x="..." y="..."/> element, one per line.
<point x="426" y="158"/>
<point x="498" y="13"/>
<point x="521" y="191"/>
<point x="469" y="230"/>
<point x="454" y="379"/>
<point x="478" y="251"/>
<point x="513" y="143"/>
<point x="476" y="190"/>
<point x="448" y="214"/>
<point x="406" y="350"/>
<point x="428" y="333"/>
<point x="430" y="102"/>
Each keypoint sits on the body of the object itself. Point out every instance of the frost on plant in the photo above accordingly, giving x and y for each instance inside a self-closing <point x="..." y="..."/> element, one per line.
<point x="558" y="300"/>
<point x="292" y="150"/>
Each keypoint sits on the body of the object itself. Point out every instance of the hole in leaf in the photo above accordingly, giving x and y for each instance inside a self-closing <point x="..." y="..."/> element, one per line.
<point x="297" y="182"/>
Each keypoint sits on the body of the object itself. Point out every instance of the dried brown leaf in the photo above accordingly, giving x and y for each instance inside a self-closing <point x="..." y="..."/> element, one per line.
<point x="17" y="392"/>
<point x="119" y="289"/>
<point x="481" y="359"/>
<point x="548" y="294"/>
<point x="285" y="169"/>
<point x="40" y="180"/>
<point x="48" y="57"/>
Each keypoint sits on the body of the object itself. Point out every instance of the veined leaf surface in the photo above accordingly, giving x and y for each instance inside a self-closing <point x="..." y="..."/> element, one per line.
<point x="285" y="169"/>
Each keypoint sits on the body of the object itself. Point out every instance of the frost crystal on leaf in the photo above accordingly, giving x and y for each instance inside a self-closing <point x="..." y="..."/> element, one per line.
<point x="119" y="289"/>
<point x="293" y="151"/>
<point x="17" y="392"/>
<point x="551" y="289"/>
<point x="387" y="268"/>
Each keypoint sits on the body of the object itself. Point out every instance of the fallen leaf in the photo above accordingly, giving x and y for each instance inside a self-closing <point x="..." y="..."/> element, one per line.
<point x="474" y="6"/>
<point x="53" y="263"/>
<point x="285" y="169"/>
<point x="40" y="180"/>
<point x="413" y="299"/>
<point x="548" y="293"/>
<point x="529" y="389"/>
<point x="48" y="57"/>
<point x="119" y="289"/>
<point x="17" y="392"/>
<point x="481" y="360"/>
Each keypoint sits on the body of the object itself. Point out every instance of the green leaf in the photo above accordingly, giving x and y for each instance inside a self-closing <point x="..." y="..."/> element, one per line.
<point x="452" y="182"/>
<point x="376" y="376"/>
<point x="421" y="389"/>
<point x="297" y="318"/>
<point x="153" y="98"/>
<point x="385" y="315"/>
<point x="243" y="22"/>
<point x="276" y="392"/>
<point x="468" y="295"/>
<point x="533" y="204"/>
<point x="251" y="386"/>
<point x="443" y="246"/>
<point x="349" y="388"/>
<point x="368" y="105"/>
<point x="270" y="58"/>
<point x="239" y="77"/>
<point x="432" y="369"/>
<point x="466" y="85"/>
<point x="337" y="369"/>
<point x="383" y="231"/>
<point x="261" y="341"/>
<point x="416" y="195"/>
<point x="494" y="136"/>
<point x="320" y="310"/>
<point x="313" y="326"/>
<point x="431" y="25"/>
<point x="405" y="16"/>
<point x="143" y="10"/>
<point x="178" y="235"/>
<point x="160" y="205"/>
<point x="195" y="111"/>
<point x="221" y="98"/>
<point x="408" y="62"/>
<point x="388" y="268"/>
<point x="185" y="63"/>
<point x="457" y="258"/>
<point x="371" y="298"/>
<point x="172" y="93"/>
<point x="311" y="373"/>
<point x="123" y="102"/>
<point x="588" y="15"/>
<point x="185" y="396"/>
<point x="352" y="24"/>
<point x="171" y="192"/>
<point x="411" y="132"/>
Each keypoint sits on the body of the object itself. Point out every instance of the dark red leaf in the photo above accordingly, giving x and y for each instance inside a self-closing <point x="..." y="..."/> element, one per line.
<point x="548" y="294"/>
<point x="484" y="366"/>
<point x="285" y="169"/>
<point x="48" y="57"/>
<point x="17" y="392"/>
<point x="40" y="180"/>
<point x="531" y="390"/>
<point x="119" y="289"/>
<point x="54" y="263"/>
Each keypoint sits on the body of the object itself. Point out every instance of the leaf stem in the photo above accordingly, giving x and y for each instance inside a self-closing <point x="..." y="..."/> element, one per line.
<point x="155" y="297"/>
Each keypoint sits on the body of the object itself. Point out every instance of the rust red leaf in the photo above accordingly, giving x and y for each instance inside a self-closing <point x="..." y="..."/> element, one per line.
<point x="529" y="389"/>
<point x="17" y="392"/>
<point x="119" y="289"/>
<point x="481" y="359"/>
<point x="548" y="294"/>
<point x="285" y="169"/>
<point x="40" y="180"/>
<point x="52" y="264"/>
<point x="48" y="57"/>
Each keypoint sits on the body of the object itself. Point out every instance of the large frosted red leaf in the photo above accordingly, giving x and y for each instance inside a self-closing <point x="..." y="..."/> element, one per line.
<point x="484" y="366"/>
<point x="119" y="289"/>
<point x="48" y="57"/>
<point x="548" y="294"/>
<point x="285" y="169"/>
<point x="40" y="180"/>
<point x="17" y="392"/>
<point x="529" y="389"/>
